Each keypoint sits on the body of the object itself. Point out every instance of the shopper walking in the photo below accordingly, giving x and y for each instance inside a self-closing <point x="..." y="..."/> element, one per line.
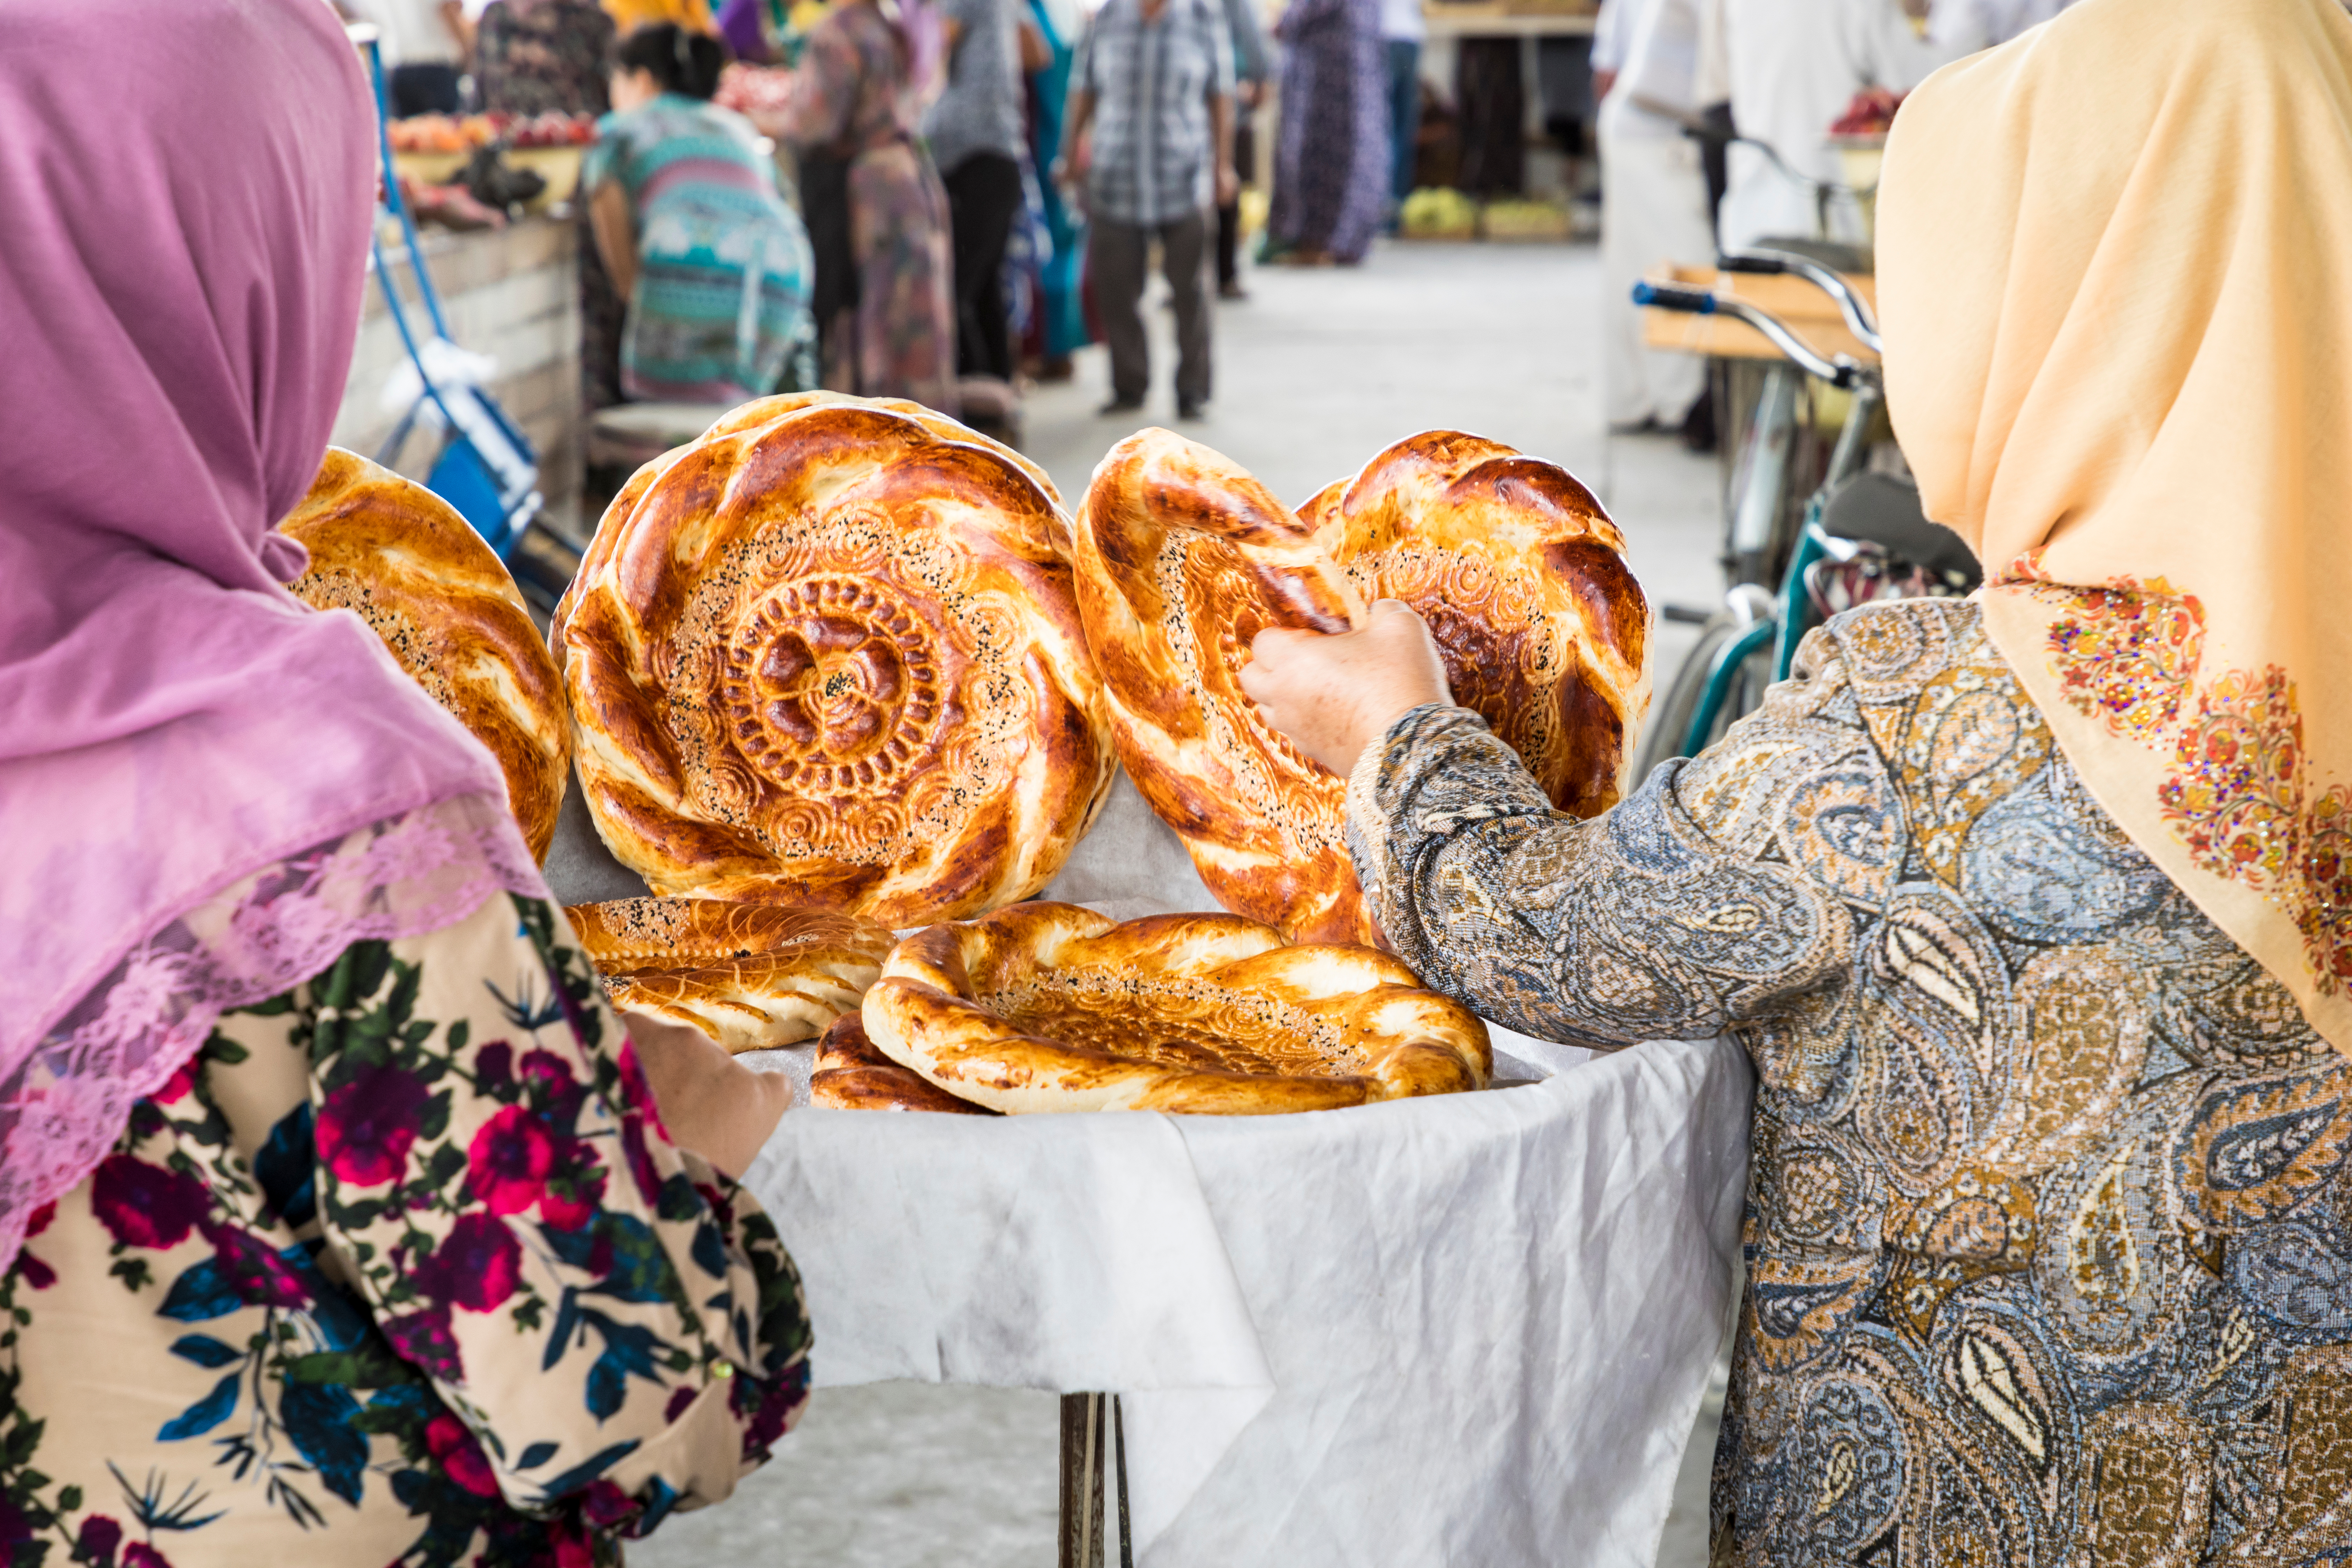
<point x="2034" y="910"/>
<point x="683" y="199"/>
<point x="1402" y="30"/>
<point x="1653" y="207"/>
<point x="339" y="1224"/>
<point x="1251" y="71"/>
<point x="877" y="216"/>
<point x="1332" y="168"/>
<point x="1152" y="138"/>
<point x="1061" y="311"/>
<point x="975" y="132"/>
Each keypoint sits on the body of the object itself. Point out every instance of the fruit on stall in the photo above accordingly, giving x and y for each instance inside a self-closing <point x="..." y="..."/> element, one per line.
<point x="452" y="134"/>
<point x="1871" y="113"/>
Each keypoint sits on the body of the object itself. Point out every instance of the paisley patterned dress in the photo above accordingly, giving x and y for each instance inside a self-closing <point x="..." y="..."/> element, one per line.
<point x="2048" y="1230"/>
<point x="400" y="1268"/>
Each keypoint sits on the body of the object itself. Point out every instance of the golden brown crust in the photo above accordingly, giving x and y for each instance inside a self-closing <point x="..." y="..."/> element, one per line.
<point x="829" y="655"/>
<point x="1050" y="1006"/>
<point x="760" y="410"/>
<point x="764" y="410"/>
<point x="1182" y="558"/>
<point x="751" y="976"/>
<point x="424" y="581"/>
<point x="1522" y="579"/>
<point x="851" y="1075"/>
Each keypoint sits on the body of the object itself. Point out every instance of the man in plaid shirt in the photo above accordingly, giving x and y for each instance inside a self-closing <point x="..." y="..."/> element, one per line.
<point x="1152" y="138"/>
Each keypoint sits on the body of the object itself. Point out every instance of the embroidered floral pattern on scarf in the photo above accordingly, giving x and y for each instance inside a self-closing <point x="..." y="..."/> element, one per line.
<point x="2237" y="790"/>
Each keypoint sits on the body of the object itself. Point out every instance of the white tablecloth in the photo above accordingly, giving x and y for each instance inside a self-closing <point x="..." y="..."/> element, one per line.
<point x="1468" y="1330"/>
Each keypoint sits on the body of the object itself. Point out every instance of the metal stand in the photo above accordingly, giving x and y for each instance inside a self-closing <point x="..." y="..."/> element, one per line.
<point x="1094" y="1441"/>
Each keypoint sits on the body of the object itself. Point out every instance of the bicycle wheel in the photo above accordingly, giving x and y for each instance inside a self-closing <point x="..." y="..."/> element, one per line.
<point x="1670" y="720"/>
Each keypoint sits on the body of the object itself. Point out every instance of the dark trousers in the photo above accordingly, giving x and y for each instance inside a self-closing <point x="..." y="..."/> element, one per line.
<point x="1488" y="86"/>
<point x="983" y="198"/>
<point x="1118" y="257"/>
<point x="1404" y="114"/>
<point x="430" y="88"/>
<point x="1228" y="217"/>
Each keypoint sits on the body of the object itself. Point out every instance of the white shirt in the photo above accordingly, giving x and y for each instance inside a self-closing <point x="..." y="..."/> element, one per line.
<point x="413" y="32"/>
<point x="1401" y="20"/>
<point x="1660" y="77"/>
<point x="1613" y="32"/>
<point x="1795" y="64"/>
<point x="1713" y="83"/>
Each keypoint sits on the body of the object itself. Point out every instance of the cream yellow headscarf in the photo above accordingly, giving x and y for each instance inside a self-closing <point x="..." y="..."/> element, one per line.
<point x="2116" y="278"/>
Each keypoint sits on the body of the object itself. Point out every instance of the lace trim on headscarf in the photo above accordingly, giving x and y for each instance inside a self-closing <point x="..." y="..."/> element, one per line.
<point x="403" y="877"/>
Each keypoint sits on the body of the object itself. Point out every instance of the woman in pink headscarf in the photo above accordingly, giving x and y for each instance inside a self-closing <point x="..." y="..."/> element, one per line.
<point x="338" y="1222"/>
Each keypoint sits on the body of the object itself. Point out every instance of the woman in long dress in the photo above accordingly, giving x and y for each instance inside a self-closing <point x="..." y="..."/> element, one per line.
<point x="2033" y="912"/>
<point x="876" y="212"/>
<point x="340" y="1221"/>
<point x="1331" y="165"/>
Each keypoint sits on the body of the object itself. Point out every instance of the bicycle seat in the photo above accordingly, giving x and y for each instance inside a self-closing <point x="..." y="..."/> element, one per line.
<point x="1880" y="509"/>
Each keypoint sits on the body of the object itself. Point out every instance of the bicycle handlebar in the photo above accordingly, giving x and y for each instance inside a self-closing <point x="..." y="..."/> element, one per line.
<point x="1675" y="298"/>
<point x="1859" y="319"/>
<point x="1842" y="372"/>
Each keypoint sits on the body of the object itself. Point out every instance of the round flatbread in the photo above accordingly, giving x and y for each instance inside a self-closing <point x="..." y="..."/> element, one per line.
<point x="1521" y="577"/>
<point x="1182" y="558"/>
<point x="833" y="658"/>
<point x="402" y="559"/>
<point x="751" y="976"/>
<point x="761" y="411"/>
<point x="1050" y="1006"/>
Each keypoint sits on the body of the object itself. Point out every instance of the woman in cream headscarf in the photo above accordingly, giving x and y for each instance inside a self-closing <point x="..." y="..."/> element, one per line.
<point x="2032" y="911"/>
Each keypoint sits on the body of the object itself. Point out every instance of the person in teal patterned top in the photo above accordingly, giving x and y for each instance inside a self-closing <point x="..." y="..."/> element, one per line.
<point x="715" y="266"/>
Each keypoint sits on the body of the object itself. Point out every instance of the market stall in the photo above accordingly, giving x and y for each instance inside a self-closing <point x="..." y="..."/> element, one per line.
<point x="893" y="775"/>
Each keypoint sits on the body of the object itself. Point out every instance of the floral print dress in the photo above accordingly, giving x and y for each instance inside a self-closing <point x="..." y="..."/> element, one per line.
<point x="401" y="1267"/>
<point x="852" y="98"/>
<point x="2049" y="1231"/>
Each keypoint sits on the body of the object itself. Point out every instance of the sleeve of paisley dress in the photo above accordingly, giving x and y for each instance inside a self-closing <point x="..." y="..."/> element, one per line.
<point x="615" y="1323"/>
<point x="1660" y="919"/>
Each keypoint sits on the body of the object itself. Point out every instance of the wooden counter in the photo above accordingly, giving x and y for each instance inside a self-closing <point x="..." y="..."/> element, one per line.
<point x="511" y="293"/>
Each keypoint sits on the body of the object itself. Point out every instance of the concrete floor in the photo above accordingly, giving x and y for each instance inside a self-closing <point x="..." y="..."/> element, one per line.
<point x="1314" y="372"/>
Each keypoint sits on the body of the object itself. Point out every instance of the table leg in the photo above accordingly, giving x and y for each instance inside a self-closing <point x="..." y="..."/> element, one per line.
<point x="1094" y="1439"/>
<point x="1119" y="1456"/>
<point x="1082" y="1487"/>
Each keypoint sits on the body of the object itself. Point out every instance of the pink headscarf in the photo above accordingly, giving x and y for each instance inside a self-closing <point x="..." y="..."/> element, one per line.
<point x="186" y="190"/>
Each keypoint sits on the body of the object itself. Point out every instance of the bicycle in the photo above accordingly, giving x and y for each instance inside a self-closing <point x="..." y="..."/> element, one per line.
<point x="1867" y="523"/>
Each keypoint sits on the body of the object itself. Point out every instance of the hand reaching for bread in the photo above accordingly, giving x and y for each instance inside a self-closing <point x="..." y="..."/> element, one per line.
<point x="710" y="1102"/>
<point x="1334" y="694"/>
